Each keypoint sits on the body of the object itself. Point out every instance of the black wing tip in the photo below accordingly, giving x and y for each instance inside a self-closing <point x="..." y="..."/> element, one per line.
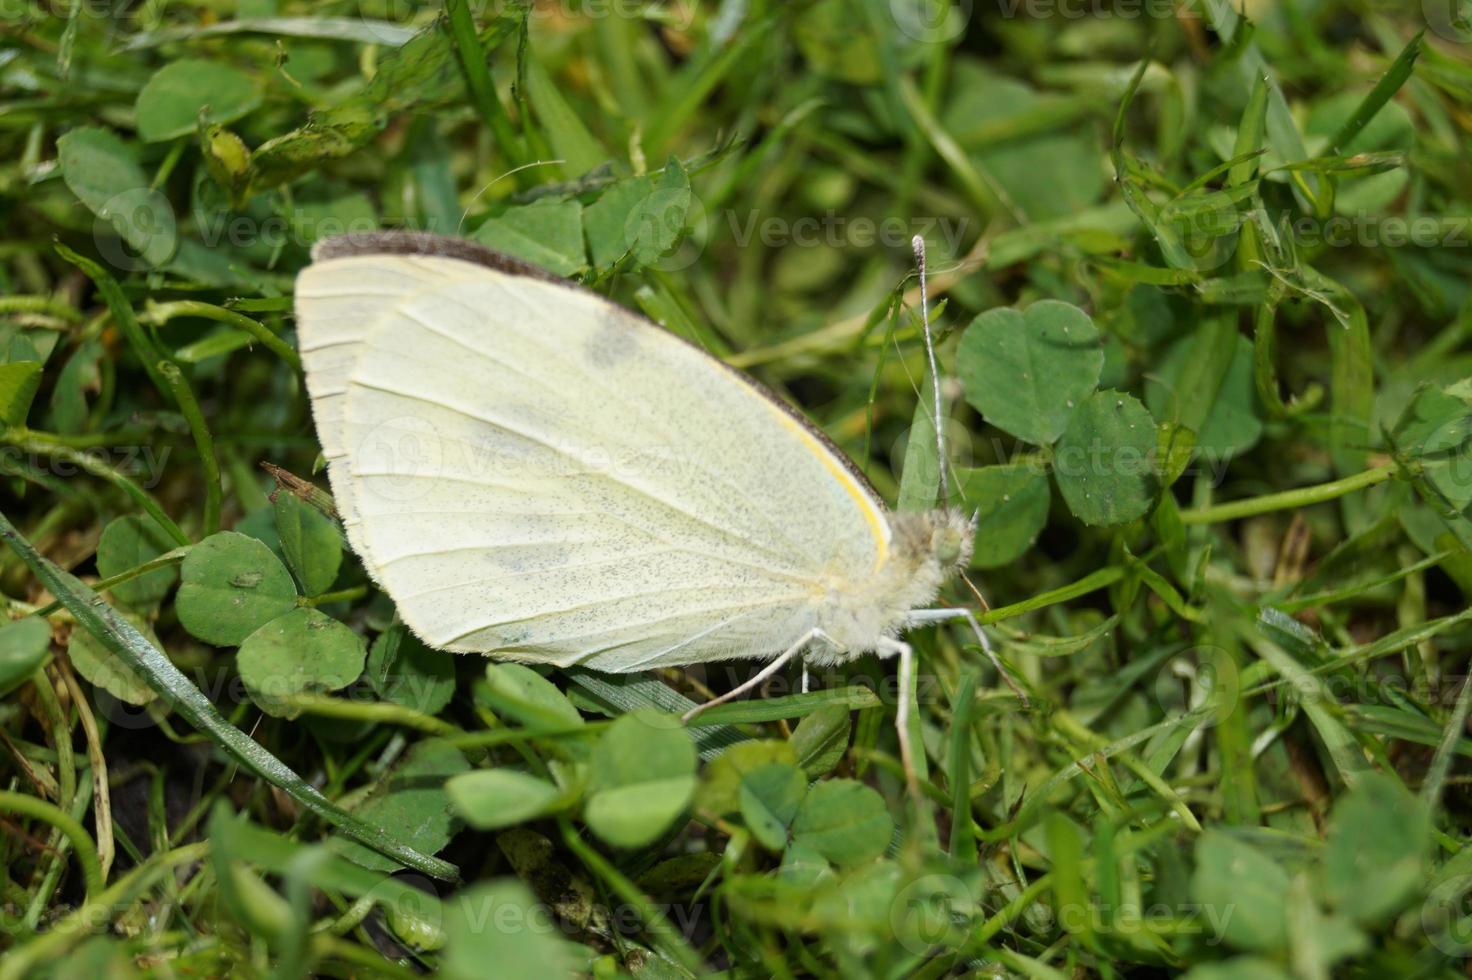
<point x="404" y="242"/>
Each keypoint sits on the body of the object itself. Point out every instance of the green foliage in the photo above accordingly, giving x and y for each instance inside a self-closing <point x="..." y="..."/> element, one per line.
<point x="548" y="233"/>
<point x="104" y="173"/>
<point x="24" y="644"/>
<point x="19" y="382"/>
<point x="498" y="926"/>
<point x="94" y="661"/>
<point x="1376" y="855"/>
<point x="126" y="543"/>
<point x="640" y="218"/>
<point x="1027" y="372"/>
<point x="230" y="586"/>
<point x="187" y="94"/>
<point x="403" y="671"/>
<point x="1033" y="374"/>
<point x="489" y="799"/>
<point x="770" y="798"/>
<point x="1231" y="873"/>
<point x="642" y="778"/>
<point x="1011" y="502"/>
<point x="844" y="821"/>
<point x="1207" y="277"/>
<point x="300" y="651"/>
<point x="1105" y="461"/>
<point x="310" y="541"/>
<point x="413" y="798"/>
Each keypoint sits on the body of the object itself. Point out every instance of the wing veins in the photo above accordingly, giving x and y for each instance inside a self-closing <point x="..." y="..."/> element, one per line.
<point x="533" y="648"/>
<point x="566" y="566"/>
<point x="613" y="394"/>
<point x="642" y="491"/>
<point x="785" y="572"/>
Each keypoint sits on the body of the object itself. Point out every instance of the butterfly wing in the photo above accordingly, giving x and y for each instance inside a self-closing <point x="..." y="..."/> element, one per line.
<point x="532" y="471"/>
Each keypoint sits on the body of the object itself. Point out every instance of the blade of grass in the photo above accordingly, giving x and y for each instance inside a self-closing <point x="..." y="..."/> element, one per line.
<point x="958" y="769"/>
<point x="1441" y="762"/>
<point x="1093" y="582"/>
<point x="1318" y="704"/>
<point x="756" y="710"/>
<point x="165" y="374"/>
<point x="82" y="843"/>
<point x="81" y="923"/>
<point x="45" y="444"/>
<point x="124" y="640"/>
<point x="478" y="80"/>
<point x="1395" y="76"/>
<point x="1288" y="499"/>
<point x="688" y="91"/>
<point x="102" y="800"/>
<point x="157" y="314"/>
<point x="626" y="693"/>
<point x="667" y="938"/>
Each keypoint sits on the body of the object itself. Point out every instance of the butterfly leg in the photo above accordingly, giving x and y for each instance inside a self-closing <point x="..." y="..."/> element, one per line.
<point x="903" y="707"/>
<point x="919" y="616"/>
<point x="756" y="679"/>
<point x="804" y="677"/>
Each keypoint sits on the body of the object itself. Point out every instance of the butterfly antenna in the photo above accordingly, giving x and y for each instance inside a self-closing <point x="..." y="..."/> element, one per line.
<point x="514" y="170"/>
<point x="918" y="244"/>
<point x="981" y="599"/>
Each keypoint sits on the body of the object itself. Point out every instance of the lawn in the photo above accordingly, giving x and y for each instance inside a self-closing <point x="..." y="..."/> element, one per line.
<point x="1198" y="284"/>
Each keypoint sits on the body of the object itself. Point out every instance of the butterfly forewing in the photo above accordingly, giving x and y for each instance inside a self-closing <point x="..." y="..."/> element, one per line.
<point x="532" y="471"/>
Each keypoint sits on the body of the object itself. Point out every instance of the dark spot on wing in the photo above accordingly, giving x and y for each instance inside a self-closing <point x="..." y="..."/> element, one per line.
<point x="612" y="341"/>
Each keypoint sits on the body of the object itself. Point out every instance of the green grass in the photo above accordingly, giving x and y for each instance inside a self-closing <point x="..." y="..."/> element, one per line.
<point x="1201" y="294"/>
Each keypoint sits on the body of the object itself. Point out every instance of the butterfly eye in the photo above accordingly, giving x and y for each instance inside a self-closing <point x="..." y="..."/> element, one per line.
<point x="947" y="544"/>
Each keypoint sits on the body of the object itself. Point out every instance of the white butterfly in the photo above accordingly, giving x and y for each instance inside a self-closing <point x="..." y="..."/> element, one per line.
<point x="535" y="473"/>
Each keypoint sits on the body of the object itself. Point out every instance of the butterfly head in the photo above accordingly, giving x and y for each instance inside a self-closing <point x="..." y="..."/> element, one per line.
<point x="951" y="536"/>
<point x="939" y="539"/>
